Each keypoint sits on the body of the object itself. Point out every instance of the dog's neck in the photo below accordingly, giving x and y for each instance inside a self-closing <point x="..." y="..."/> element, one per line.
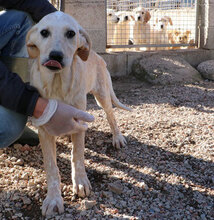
<point x="52" y="85"/>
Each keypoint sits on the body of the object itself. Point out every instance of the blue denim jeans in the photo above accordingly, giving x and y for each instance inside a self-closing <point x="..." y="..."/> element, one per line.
<point x="14" y="26"/>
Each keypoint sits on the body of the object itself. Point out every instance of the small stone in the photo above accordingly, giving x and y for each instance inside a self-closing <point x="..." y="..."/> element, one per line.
<point x="26" y="148"/>
<point x="2" y="157"/>
<point x="25" y="176"/>
<point x="37" y="196"/>
<point x="15" y="197"/>
<point x="1" y="152"/>
<point x="99" y="142"/>
<point x="144" y="186"/>
<point x="64" y="189"/>
<point x="19" y="215"/>
<point x="31" y="182"/>
<point x="87" y="204"/>
<point x="83" y="213"/>
<point x="13" y="159"/>
<point x="123" y="203"/>
<point x="19" y="162"/>
<point x="7" y="204"/>
<point x="107" y="194"/>
<point x="116" y="188"/>
<point x="203" y="216"/>
<point x="17" y="146"/>
<point x="26" y="200"/>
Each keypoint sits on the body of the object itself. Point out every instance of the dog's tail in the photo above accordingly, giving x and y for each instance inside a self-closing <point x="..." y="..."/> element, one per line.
<point x="114" y="99"/>
<point x="117" y="103"/>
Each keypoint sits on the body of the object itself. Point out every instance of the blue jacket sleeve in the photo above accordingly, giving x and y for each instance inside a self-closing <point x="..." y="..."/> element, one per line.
<point x="36" y="8"/>
<point x="15" y="94"/>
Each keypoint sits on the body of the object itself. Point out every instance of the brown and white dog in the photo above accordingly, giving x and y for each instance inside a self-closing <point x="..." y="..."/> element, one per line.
<point x="69" y="75"/>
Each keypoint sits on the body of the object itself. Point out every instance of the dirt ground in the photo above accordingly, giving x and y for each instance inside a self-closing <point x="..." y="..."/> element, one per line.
<point x="166" y="171"/>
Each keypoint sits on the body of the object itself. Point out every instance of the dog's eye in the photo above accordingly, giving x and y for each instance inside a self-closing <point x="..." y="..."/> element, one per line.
<point x="45" y="33"/>
<point x="142" y="13"/>
<point x="70" y="34"/>
<point x="110" y="14"/>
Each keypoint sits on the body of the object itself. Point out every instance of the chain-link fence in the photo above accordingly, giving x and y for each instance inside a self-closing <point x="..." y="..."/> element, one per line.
<point x="151" y="24"/>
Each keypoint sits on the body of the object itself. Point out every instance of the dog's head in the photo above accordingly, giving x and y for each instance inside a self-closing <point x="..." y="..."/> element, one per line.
<point x="141" y="14"/>
<point x="111" y="16"/>
<point x="124" y="17"/>
<point x="184" y="37"/>
<point x="162" y="23"/>
<point x="55" y="40"/>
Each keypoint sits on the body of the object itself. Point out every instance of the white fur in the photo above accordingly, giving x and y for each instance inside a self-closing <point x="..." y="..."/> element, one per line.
<point x="84" y="71"/>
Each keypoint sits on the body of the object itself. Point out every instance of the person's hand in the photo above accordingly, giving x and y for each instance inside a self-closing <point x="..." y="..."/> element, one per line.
<point x="67" y="119"/>
<point x="59" y="118"/>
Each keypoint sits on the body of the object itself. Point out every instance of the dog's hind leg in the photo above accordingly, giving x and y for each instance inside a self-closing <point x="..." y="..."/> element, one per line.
<point x="81" y="184"/>
<point x="53" y="201"/>
<point x="104" y="101"/>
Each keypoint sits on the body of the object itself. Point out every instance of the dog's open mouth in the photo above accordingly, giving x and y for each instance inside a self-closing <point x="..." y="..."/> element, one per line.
<point x="53" y="65"/>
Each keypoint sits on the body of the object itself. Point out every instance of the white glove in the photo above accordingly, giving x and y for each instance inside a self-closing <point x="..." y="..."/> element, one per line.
<point x="59" y="118"/>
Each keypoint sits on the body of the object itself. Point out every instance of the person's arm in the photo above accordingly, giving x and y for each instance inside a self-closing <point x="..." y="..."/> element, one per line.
<point x="56" y="117"/>
<point x="40" y="107"/>
<point x="36" y="8"/>
<point x="15" y="94"/>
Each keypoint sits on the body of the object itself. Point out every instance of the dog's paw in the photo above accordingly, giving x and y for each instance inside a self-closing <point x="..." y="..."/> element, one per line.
<point x="81" y="186"/>
<point x="119" y="141"/>
<point x="52" y="204"/>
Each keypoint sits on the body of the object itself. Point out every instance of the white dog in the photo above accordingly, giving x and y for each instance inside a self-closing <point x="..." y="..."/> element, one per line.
<point x="141" y="27"/>
<point x="123" y="28"/>
<point x="112" y="20"/>
<point x="65" y="68"/>
<point x="161" y="30"/>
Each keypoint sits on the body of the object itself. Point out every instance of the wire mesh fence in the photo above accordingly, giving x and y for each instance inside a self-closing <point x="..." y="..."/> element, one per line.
<point x="151" y="24"/>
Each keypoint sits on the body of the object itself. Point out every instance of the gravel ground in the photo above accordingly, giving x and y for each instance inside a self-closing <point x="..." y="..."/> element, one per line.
<point x="165" y="172"/>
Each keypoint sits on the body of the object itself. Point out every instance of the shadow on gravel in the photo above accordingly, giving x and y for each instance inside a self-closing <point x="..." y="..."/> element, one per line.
<point x="133" y="92"/>
<point x="158" y="198"/>
<point x="195" y="176"/>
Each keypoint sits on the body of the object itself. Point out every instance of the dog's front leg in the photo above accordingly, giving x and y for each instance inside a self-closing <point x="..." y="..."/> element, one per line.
<point x="53" y="201"/>
<point x="81" y="184"/>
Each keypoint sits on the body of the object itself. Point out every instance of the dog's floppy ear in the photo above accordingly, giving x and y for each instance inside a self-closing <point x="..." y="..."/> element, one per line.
<point x="85" y="45"/>
<point x="170" y="21"/>
<point x="132" y="17"/>
<point x="32" y="49"/>
<point x="188" y="32"/>
<point x="147" y="17"/>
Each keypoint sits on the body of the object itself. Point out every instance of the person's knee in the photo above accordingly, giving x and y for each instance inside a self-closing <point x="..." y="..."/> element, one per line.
<point x="14" y="26"/>
<point x="19" y="17"/>
<point x="11" y="129"/>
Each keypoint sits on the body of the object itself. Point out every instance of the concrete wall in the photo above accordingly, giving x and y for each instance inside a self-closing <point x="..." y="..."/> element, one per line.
<point x="91" y="15"/>
<point x="206" y="9"/>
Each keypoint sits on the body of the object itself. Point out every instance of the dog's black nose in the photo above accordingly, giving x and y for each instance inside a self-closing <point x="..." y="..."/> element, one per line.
<point x="138" y="18"/>
<point x="162" y="26"/>
<point x="118" y="19"/>
<point x="126" y="18"/>
<point x="56" y="55"/>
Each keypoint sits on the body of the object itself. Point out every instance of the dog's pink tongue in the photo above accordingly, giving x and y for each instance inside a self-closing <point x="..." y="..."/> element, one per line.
<point x="53" y="63"/>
